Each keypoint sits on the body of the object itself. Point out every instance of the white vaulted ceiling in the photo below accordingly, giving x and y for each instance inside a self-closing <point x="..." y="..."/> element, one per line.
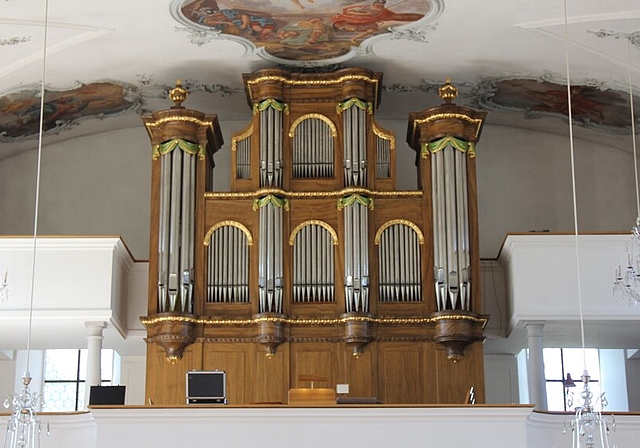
<point x="108" y="62"/>
<point x="145" y="45"/>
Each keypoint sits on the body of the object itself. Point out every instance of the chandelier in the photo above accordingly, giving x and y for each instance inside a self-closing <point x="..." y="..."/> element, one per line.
<point x="589" y="428"/>
<point x="24" y="425"/>
<point x="627" y="282"/>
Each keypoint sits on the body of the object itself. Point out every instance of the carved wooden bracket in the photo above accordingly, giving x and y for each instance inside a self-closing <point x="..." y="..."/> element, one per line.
<point x="454" y="330"/>
<point x="270" y="331"/>
<point x="173" y="332"/>
<point x="357" y="331"/>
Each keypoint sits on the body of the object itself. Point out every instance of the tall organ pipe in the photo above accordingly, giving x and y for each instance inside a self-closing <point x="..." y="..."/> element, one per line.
<point x="270" y="267"/>
<point x="451" y="229"/>
<point x="176" y="232"/>
<point x="270" y="148"/>
<point x="356" y="254"/>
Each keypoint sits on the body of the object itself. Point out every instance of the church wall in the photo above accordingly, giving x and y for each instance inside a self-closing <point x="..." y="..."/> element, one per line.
<point x="7" y="373"/>
<point x="99" y="184"/>
<point x="633" y="388"/>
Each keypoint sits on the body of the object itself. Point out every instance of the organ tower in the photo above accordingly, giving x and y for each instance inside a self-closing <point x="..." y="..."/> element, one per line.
<point x="314" y="267"/>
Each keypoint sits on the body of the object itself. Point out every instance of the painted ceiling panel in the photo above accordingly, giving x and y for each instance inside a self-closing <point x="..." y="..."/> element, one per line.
<point x="506" y="57"/>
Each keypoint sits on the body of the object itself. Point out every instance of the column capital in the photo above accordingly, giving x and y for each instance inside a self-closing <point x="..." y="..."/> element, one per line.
<point x="95" y="328"/>
<point x="534" y="327"/>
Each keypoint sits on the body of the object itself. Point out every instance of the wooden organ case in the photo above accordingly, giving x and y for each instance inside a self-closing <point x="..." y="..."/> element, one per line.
<point x="314" y="265"/>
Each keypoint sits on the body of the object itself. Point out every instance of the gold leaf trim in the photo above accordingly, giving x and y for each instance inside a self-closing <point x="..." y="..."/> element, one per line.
<point x="236" y="224"/>
<point x="297" y="321"/>
<point x="384" y="135"/>
<point x="392" y="222"/>
<point x="241" y="136"/>
<point x="324" y="225"/>
<point x="163" y="120"/>
<point x="314" y="194"/>
<point x="294" y="125"/>
<point x="312" y="82"/>
<point x="451" y="115"/>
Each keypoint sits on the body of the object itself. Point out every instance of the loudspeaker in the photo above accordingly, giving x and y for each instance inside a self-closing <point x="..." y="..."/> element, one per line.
<point x="206" y="387"/>
<point x="106" y="395"/>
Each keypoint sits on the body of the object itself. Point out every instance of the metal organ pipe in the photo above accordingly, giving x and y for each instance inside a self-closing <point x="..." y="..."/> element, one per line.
<point x="176" y="232"/>
<point x="243" y="158"/>
<point x="270" y="263"/>
<point x="355" y="147"/>
<point x="163" y="239"/>
<point x="356" y="251"/>
<point x="313" y="265"/>
<point x="399" y="264"/>
<point x="227" y="279"/>
<point x="451" y="229"/>
<point x="312" y="149"/>
<point x="270" y="148"/>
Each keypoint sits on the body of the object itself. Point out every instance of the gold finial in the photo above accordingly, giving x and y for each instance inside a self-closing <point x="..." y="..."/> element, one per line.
<point x="178" y="95"/>
<point x="448" y="91"/>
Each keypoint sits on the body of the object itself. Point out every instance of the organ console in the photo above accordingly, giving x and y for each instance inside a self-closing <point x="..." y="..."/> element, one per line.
<point x="314" y="264"/>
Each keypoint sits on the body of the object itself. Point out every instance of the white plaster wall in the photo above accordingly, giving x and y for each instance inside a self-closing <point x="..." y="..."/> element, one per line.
<point x="7" y="374"/>
<point x="633" y="385"/>
<point x="480" y="427"/>
<point x="501" y="379"/>
<point x="95" y="185"/>
<point x="100" y="184"/>
<point x="524" y="184"/>
<point x="133" y="370"/>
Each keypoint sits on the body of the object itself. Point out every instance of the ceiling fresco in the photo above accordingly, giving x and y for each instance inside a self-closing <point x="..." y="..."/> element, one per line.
<point x="505" y="56"/>
<point x="20" y="110"/>
<point x="593" y="107"/>
<point x="305" y="31"/>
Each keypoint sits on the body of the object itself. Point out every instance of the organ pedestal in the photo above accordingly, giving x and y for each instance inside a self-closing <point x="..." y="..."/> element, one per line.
<point x="314" y="264"/>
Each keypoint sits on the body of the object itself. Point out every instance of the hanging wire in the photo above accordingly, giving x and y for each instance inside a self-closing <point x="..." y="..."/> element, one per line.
<point x="573" y="180"/>
<point x="633" y="127"/>
<point x="38" y="170"/>
<point x="588" y="426"/>
<point x="24" y="425"/>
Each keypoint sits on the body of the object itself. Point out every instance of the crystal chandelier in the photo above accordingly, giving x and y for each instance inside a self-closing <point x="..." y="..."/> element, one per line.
<point x="4" y="287"/>
<point x="627" y="282"/>
<point x="589" y="428"/>
<point x="24" y="425"/>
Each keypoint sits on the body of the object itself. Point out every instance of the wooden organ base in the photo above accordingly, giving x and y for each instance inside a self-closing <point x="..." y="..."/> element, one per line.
<point x="392" y="372"/>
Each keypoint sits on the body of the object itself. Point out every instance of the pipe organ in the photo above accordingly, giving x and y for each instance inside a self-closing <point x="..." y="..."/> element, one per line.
<point x="314" y="265"/>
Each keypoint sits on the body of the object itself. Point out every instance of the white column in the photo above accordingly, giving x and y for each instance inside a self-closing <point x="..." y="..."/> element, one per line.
<point x="535" y="364"/>
<point x="94" y="350"/>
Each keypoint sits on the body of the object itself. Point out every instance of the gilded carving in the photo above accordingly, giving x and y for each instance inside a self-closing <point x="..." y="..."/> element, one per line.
<point x="323" y="118"/>
<point x="404" y="222"/>
<point x="236" y="224"/>
<point x="324" y="225"/>
<point x="241" y="136"/>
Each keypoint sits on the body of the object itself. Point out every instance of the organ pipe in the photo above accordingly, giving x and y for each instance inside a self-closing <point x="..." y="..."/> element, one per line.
<point x="227" y="256"/>
<point x="451" y="229"/>
<point x="271" y="146"/>
<point x="399" y="264"/>
<point x="356" y="252"/>
<point x="176" y="232"/>
<point x="270" y="264"/>
<point x="355" y="146"/>
<point x="313" y="265"/>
